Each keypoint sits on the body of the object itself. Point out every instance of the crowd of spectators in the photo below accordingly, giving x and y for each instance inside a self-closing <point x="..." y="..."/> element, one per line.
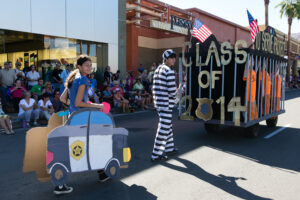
<point x="26" y="92"/>
<point x="134" y="92"/>
<point x="34" y="98"/>
<point x="294" y="81"/>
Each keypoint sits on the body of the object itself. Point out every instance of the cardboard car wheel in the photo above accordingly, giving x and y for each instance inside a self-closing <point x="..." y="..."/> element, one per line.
<point x="59" y="175"/>
<point x="112" y="170"/>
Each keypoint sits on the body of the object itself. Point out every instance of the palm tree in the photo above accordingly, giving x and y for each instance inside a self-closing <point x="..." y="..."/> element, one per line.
<point x="267" y="13"/>
<point x="291" y="9"/>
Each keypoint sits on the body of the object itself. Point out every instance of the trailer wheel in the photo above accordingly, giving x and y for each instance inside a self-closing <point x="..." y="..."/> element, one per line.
<point x="252" y="131"/>
<point x="272" y="122"/>
<point x="211" y="128"/>
<point x="59" y="175"/>
<point x="112" y="170"/>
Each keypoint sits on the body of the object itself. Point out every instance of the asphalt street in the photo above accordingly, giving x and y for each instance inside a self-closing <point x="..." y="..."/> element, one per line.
<point x="224" y="165"/>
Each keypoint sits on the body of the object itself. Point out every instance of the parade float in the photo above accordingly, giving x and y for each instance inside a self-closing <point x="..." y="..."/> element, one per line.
<point x="233" y="84"/>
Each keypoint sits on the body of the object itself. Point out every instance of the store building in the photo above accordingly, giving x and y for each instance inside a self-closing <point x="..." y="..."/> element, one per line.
<point x="50" y="31"/>
<point x="153" y="26"/>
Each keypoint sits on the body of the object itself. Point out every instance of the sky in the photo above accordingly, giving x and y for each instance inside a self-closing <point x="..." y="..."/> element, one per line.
<point x="235" y="11"/>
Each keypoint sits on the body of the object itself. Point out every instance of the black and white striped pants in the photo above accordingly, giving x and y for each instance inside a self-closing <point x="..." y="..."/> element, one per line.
<point x="164" y="141"/>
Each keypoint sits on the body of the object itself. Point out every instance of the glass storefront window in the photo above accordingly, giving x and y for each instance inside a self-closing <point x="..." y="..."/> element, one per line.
<point x="84" y="48"/>
<point x="46" y="51"/>
<point x="92" y="50"/>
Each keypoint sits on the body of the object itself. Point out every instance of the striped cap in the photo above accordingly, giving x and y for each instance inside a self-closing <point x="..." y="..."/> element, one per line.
<point x="168" y="53"/>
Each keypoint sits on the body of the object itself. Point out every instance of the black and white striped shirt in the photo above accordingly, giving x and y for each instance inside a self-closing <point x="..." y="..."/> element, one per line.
<point x="164" y="88"/>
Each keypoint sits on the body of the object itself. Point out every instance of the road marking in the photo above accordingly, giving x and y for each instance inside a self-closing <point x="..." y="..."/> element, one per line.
<point x="276" y="132"/>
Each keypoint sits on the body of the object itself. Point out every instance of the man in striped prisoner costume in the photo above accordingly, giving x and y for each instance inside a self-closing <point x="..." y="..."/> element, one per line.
<point x="164" y="92"/>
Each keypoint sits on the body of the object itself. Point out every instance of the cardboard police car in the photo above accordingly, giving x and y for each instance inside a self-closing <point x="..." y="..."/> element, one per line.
<point x="87" y="141"/>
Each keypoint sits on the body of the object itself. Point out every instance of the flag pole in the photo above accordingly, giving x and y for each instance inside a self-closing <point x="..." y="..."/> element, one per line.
<point x="250" y="18"/>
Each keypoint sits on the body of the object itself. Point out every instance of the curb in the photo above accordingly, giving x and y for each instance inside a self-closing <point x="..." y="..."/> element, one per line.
<point x="125" y="114"/>
<point x="288" y="90"/>
<point x="16" y="124"/>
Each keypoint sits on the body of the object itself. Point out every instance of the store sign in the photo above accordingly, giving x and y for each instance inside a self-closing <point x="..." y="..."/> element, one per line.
<point x="269" y="42"/>
<point x="167" y="27"/>
<point x="180" y="22"/>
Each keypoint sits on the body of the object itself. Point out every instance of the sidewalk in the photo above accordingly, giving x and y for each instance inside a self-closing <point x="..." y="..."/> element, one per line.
<point x="16" y="124"/>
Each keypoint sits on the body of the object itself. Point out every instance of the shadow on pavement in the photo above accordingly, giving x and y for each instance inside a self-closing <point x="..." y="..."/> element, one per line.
<point x="225" y="183"/>
<point x="279" y="152"/>
<point x="112" y="190"/>
<point x="282" y="152"/>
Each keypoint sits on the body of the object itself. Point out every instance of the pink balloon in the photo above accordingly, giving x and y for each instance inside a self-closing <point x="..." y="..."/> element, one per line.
<point x="106" y="107"/>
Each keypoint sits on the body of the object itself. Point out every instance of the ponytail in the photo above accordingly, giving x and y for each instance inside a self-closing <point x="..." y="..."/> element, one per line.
<point x="71" y="78"/>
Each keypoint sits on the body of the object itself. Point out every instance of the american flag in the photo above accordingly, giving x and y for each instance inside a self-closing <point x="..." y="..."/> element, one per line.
<point x="254" y="29"/>
<point x="200" y="31"/>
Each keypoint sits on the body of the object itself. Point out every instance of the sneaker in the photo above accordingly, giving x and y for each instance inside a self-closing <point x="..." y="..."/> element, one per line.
<point x="35" y="124"/>
<point x="28" y="125"/>
<point x="8" y="133"/>
<point x="12" y="132"/>
<point x="159" y="158"/>
<point x="173" y="152"/>
<point x="62" y="189"/>
<point x="103" y="177"/>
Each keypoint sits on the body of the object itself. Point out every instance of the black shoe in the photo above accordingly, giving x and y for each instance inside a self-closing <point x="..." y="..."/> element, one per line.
<point x="159" y="158"/>
<point x="62" y="189"/>
<point x="171" y="153"/>
<point x="103" y="177"/>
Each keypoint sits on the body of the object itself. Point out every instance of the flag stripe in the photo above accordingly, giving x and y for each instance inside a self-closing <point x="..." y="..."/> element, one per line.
<point x="254" y="29"/>
<point x="200" y="31"/>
